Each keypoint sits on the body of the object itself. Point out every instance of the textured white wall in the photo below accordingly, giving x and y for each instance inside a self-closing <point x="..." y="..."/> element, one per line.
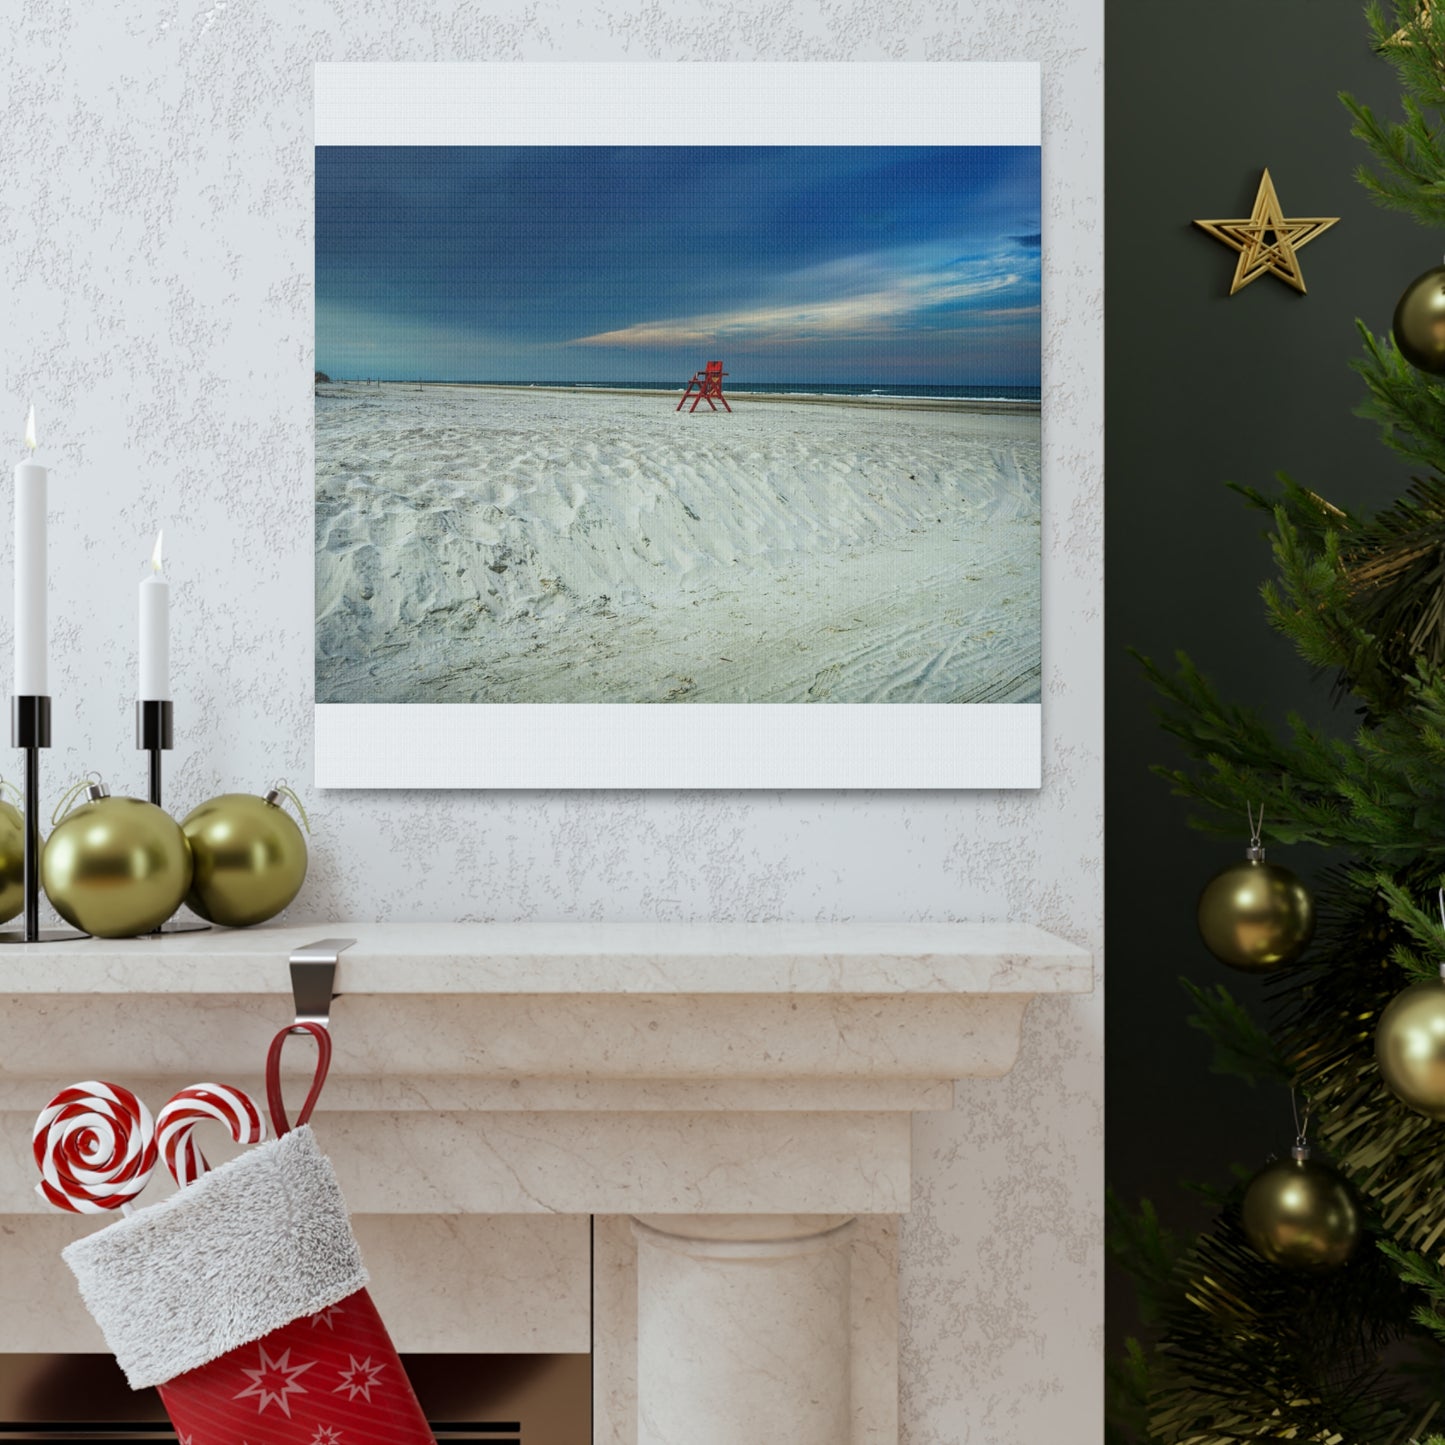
<point x="155" y="253"/>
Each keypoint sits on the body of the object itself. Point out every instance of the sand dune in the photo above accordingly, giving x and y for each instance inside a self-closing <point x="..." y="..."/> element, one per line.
<point x="522" y="545"/>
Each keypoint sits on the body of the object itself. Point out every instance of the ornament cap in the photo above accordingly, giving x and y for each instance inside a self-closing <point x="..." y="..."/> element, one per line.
<point x="95" y="791"/>
<point x="272" y="797"/>
<point x="1300" y="1152"/>
<point x="1255" y="852"/>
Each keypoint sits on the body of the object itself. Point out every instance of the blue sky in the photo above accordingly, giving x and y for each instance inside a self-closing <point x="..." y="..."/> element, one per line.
<point x="590" y="263"/>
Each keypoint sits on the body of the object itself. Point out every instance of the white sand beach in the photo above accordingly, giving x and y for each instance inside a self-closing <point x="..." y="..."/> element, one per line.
<point x="498" y="544"/>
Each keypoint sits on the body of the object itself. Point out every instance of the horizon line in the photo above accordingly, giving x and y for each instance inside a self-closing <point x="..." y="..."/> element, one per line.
<point x="666" y="385"/>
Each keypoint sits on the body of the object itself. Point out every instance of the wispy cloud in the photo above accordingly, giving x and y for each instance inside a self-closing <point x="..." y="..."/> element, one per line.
<point x="901" y="305"/>
<point x="823" y="263"/>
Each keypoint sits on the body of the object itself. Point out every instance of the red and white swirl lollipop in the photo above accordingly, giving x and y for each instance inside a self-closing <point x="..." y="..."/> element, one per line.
<point x="201" y="1104"/>
<point x="95" y="1147"/>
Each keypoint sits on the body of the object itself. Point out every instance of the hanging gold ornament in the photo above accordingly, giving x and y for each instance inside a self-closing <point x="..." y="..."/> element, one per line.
<point x="250" y="857"/>
<point x="1410" y="1048"/>
<point x="12" y="858"/>
<point x="114" y="867"/>
<point x="1256" y="916"/>
<point x="1301" y="1214"/>
<point x="1419" y="325"/>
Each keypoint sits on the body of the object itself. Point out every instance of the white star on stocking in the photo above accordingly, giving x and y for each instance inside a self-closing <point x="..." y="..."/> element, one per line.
<point x="326" y="1435"/>
<point x="274" y="1381"/>
<point x="359" y="1378"/>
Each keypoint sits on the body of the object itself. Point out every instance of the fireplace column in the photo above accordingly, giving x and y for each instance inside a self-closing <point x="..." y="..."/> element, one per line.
<point x="743" y="1329"/>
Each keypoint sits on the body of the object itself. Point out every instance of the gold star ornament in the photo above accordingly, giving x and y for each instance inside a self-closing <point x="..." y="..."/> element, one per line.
<point x="1268" y="242"/>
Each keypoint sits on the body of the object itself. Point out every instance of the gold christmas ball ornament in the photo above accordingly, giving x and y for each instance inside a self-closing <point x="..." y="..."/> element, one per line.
<point x="1419" y="325"/>
<point x="1410" y="1048"/>
<point x="12" y="859"/>
<point x="1256" y="916"/>
<point x="1301" y="1214"/>
<point x="249" y="854"/>
<point x="114" y="867"/>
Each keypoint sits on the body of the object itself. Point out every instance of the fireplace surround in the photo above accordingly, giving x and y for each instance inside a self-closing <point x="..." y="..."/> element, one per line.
<point x="522" y="1399"/>
<point x="681" y="1151"/>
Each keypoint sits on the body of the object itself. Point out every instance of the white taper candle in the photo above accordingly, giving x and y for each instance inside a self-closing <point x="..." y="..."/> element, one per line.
<point x="31" y="633"/>
<point x="155" y="632"/>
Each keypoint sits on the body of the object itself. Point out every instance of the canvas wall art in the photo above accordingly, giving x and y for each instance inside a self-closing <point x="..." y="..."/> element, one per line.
<point x="705" y="461"/>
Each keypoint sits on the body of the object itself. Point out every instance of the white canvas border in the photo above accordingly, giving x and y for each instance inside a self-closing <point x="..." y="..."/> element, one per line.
<point x="679" y="103"/>
<point x="680" y="746"/>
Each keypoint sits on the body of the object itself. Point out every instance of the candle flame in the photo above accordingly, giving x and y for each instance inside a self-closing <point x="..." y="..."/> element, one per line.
<point x="156" y="555"/>
<point x="30" y="428"/>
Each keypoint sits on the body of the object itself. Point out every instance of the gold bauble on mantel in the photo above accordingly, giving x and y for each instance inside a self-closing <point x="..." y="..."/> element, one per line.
<point x="115" y="867"/>
<point x="250" y="857"/>
<point x="12" y="861"/>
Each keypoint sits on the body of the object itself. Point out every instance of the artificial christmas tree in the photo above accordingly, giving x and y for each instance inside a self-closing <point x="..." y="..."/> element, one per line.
<point x="1353" y="1354"/>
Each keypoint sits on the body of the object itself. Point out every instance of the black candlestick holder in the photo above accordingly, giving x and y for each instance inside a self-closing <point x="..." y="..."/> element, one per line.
<point x="30" y="730"/>
<point x="154" y="735"/>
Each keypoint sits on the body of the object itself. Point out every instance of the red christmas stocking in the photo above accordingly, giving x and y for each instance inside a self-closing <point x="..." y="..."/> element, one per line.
<point x="243" y="1298"/>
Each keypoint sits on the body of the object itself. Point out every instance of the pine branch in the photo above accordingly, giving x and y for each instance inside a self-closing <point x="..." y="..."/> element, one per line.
<point x="1241" y="1047"/>
<point x="1378" y="795"/>
<point x="1308" y="512"/>
<point x="1126" y="1388"/>
<point x="1420" y="963"/>
<point x="1146" y="1249"/>
<point x="1313" y="604"/>
<point x="1255" y="1353"/>
<point x="1409" y="173"/>
<point x="1424" y="1275"/>
<point x="1408" y="405"/>
<point x="1392" y="572"/>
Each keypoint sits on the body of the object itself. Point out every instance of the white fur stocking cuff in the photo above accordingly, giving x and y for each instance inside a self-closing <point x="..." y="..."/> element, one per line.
<point x="249" y="1247"/>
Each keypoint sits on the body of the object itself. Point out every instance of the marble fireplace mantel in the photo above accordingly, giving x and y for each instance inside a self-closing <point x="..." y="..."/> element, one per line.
<point x="733" y="1102"/>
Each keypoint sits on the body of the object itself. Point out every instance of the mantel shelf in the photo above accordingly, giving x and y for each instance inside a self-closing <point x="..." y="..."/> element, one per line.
<point x="573" y="958"/>
<point x="723" y="1085"/>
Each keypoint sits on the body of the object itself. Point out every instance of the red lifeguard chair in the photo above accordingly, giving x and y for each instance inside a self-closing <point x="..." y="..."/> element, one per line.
<point x="709" y="388"/>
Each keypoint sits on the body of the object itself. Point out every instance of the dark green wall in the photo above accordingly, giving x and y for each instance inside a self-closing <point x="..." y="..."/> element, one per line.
<point x="1202" y="388"/>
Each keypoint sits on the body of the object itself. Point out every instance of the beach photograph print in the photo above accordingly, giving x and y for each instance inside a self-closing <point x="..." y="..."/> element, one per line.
<point x="693" y="424"/>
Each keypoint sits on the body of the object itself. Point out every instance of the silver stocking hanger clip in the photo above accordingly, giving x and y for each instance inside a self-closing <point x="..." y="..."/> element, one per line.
<point x="313" y="978"/>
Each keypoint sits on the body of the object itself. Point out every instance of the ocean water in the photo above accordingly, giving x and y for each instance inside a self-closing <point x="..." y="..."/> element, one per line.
<point x="954" y="391"/>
